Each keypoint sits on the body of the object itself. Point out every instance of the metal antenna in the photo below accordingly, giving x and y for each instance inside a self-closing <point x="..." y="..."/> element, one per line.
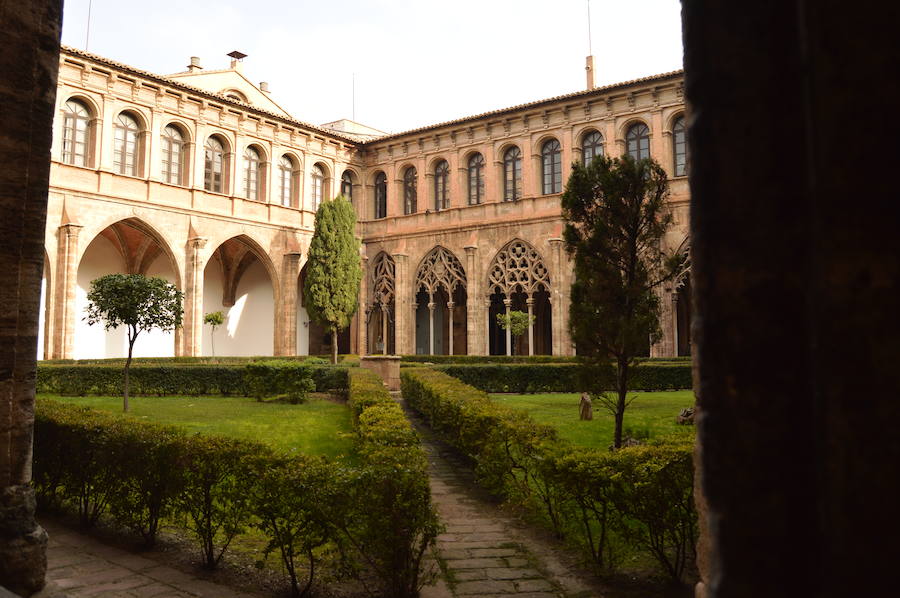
<point x="590" y="50"/>
<point x="87" y="35"/>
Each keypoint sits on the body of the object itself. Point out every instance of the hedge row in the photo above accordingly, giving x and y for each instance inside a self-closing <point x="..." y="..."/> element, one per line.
<point x="601" y="501"/>
<point x="104" y="380"/>
<point x="346" y="360"/>
<point x="378" y="515"/>
<point x="462" y="359"/>
<point x="522" y="378"/>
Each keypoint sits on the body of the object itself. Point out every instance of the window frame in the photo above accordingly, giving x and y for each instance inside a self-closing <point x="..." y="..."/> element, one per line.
<point x="551" y="167"/>
<point x="317" y="178"/>
<point x="380" y="196"/>
<point x="441" y="185"/>
<point x="679" y="130"/>
<point x="287" y="173"/>
<point x="213" y="157"/>
<point x="410" y="190"/>
<point x="512" y="174"/>
<point x="347" y="186"/>
<point x="593" y="146"/>
<point x="77" y="130"/>
<point x="172" y="146"/>
<point x="127" y="137"/>
<point x="638" y="133"/>
<point x="253" y="173"/>
<point x="475" y="179"/>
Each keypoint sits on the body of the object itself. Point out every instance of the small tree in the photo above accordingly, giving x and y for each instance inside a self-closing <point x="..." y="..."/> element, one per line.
<point x="333" y="273"/>
<point x="615" y="211"/>
<point x="517" y="322"/>
<point x="137" y="302"/>
<point x="214" y="319"/>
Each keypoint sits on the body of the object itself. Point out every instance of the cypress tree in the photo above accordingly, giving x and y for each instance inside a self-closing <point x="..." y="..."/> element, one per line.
<point x="333" y="272"/>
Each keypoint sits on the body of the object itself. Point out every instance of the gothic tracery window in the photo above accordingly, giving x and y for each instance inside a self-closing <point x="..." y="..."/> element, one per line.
<point x="440" y="268"/>
<point x="518" y="267"/>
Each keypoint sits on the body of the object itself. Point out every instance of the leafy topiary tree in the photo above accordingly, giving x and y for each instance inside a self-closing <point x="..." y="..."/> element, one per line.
<point x="137" y="302"/>
<point x="615" y="211"/>
<point x="517" y="322"/>
<point x="214" y="319"/>
<point x="333" y="272"/>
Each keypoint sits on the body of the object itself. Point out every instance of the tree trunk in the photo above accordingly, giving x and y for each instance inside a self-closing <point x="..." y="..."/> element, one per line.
<point x="621" y="391"/>
<point x="334" y="344"/>
<point x="212" y="341"/>
<point x="127" y="366"/>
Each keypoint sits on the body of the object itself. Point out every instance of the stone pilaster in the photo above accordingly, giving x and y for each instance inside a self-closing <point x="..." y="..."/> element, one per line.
<point x="64" y="295"/>
<point x="562" y="345"/>
<point x="193" y="298"/>
<point x="668" y="344"/>
<point x="403" y="340"/>
<point x="474" y="320"/>
<point x="362" y="319"/>
<point x="286" y="306"/>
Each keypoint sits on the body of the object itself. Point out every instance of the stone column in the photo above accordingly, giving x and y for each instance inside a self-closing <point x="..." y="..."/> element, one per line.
<point x="430" y="325"/>
<point x="402" y="315"/>
<point x="797" y="333"/>
<point x="487" y="320"/>
<point x="64" y="296"/>
<point x="668" y="323"/>
<point x="507" y="302"/>
<point x="286" y="306"/>
<point x="362" y="321"/>
<point x="558" y="307"/>
<point x="384" y="330"/>
<point x="193" y="298"/>
<point x="473" y="291"/>
<point x="28" y="73"/>
<point x="530" y="303"/>
<point x="450" y="306"/>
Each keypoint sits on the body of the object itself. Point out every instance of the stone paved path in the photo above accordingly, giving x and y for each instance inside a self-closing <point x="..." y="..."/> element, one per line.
<point x="80" y="566"/>
<point x="488" y="554"/>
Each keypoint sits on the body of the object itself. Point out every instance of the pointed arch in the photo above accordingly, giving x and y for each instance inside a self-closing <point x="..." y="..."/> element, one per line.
<point x="440" y="268"/>
<point x="380" y="313"/>
<point x="440" y="301"/>
<point x="518" y="279"/>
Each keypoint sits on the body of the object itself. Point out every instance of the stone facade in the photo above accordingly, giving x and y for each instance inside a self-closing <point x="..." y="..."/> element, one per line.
<point x="430" y="205"/>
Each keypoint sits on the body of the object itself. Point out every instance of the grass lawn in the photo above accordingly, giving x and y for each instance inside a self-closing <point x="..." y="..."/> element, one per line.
<point x="651" y="414"/>
<point x="314" y="428"/>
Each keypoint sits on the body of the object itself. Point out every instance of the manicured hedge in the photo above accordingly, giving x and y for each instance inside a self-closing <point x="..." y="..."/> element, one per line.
<point x="190" y="380"/>
<point x="378" y="514"/>
<point x="637" y="497"/>
<point x="522" y="378"/>
<point x="345" y="360"/>
<point x="475" y="359"/>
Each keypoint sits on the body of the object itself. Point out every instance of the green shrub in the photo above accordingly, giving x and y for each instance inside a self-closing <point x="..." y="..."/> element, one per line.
<point x="562" y="377"/>
<point x="189" y="380"/>
<point x="639" y="495"/>
<point x="290" y="379"/>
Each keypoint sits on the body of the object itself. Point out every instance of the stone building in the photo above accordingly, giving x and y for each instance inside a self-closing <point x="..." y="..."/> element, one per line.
<point x="201" y="177"/>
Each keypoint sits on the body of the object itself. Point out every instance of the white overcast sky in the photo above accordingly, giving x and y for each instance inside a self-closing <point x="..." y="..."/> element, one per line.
<point x="417" y="62"/>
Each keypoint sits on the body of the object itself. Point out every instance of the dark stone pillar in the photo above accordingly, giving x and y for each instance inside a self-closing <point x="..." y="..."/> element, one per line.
<point x="29" y="61"/>
<point x="796" y="266"/>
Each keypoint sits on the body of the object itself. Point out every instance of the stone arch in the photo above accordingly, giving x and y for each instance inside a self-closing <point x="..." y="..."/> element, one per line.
<point x="241" y="280"/>
<point x="381" y="309"/>
<point x="518" y="279"/>
<point x="127" y="246"/>
<point x="440" y="303"/>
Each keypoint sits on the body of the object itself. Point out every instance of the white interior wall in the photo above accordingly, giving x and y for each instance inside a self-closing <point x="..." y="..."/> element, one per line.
<point x="249" y="327"/>
<point x="302" y="323"/>
<point x="93" y="342"/>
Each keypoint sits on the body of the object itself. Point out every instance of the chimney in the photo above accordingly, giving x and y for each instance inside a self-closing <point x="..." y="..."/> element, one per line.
<point x="194" y="66"/>
<point x="264" y="86"/>
<point x="236" y="58"/>
<point x="589" y="71"/>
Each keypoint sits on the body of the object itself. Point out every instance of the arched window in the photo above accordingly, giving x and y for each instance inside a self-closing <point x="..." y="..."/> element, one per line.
<point x="551" y="155"/>
<point x="252" y="169"/>
<point x="317" y="186"/>
<point x="679" y="147"/>
<point x="214" y="166"/>
<point x="347" y="186"/>
<point x="512" y="174"/>
<point x="125" y="145"/>
<point x="591" y="147"/>
<point x="410" y="191"/>
<point x="286" y="171"/>
<point x="638" y="141"/>
<point x="76" y="133"/>
<point x="476" y="179"/>
<point x="173" y="155"/>
<point x="380" y="195"/>
<point x="441" y="185"/>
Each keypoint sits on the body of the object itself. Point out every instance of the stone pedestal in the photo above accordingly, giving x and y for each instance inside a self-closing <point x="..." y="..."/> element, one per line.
<point x="386" y="366"/>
